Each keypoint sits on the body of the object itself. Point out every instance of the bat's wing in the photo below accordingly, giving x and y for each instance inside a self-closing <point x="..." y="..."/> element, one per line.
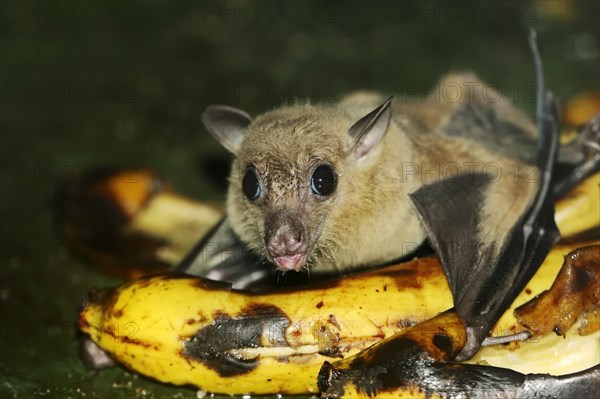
<point x="220" y="255"/>
<point x="487" y="266"/>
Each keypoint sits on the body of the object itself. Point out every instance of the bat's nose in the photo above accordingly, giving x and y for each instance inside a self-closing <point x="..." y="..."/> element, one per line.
<point x="288" y="252"/>
<point x="284" y="244"/>
<point x="285" y="240"/>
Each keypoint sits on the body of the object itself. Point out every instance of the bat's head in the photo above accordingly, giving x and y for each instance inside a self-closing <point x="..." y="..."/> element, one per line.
<point x="294" y="184"/>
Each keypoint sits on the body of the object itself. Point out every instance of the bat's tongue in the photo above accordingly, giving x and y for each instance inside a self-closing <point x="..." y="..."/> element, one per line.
<point x="290" y="262"/>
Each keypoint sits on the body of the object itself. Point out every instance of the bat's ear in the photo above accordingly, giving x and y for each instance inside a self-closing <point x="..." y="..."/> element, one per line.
<point x="227" y="125"/>
<point x="368" y="131"/>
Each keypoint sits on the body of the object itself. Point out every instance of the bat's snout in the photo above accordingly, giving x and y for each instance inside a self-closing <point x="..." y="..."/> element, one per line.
<point x="286" y="240"/>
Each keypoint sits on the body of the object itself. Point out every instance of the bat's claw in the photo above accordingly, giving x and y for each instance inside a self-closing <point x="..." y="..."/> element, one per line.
<point x="505" y="339"/>
<point x="582" y="157"/>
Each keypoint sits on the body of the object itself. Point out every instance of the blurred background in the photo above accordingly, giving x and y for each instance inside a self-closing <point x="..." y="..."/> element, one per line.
<point x="105" y="83"/>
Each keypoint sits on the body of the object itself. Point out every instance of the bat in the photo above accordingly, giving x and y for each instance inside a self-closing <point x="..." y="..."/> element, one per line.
<point x="327" y="189"/>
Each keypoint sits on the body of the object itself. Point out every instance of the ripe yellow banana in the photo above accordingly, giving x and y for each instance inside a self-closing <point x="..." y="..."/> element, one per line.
<point x="579" y="211"/>
<point x="184" y="330"/>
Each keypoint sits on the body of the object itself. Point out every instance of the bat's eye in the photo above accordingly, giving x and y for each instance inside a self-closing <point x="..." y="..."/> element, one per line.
<point x="323" y="180"/>
<point x="250" y="185"/>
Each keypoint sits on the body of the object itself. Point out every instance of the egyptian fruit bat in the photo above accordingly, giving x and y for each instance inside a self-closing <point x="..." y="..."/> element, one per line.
<point x="335" y="187"/>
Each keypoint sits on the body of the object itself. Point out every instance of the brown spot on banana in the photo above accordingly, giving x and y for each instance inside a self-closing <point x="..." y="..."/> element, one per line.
<point x="218" y="345"/>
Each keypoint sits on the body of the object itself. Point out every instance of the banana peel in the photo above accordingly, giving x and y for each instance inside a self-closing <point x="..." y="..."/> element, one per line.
<point x="550" y="317"/>
<point x="183" y="330"/>
<point x="414" y="364"/>
<point x="579" y="211"/>
<point x="417" y="362"/>
<point x="129" y="222"/>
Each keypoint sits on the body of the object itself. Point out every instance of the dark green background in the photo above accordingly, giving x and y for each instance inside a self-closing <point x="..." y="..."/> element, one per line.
<point x="105" y="83"/>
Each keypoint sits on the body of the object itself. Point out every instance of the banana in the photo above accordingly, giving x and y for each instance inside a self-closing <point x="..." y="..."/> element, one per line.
<point x="185" y="330"/>
<point x="579" y="211"/>
<point x="189" y="331"/>
<point x="129" y="222"/>
<point x="414" y="364"/>
<point x="548" y="317"/>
